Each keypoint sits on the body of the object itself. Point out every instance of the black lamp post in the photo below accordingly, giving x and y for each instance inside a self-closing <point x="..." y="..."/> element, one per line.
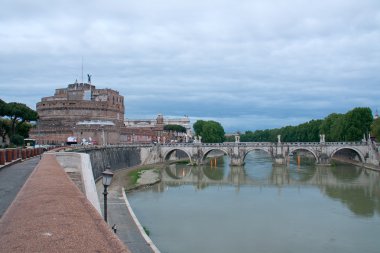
<point x="107" y="178"/>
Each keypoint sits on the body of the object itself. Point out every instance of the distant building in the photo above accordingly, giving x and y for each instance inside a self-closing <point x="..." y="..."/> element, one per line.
<point x="376" y="115"/>
<point x="81" y="113"/>
<point x="152" y="130"/>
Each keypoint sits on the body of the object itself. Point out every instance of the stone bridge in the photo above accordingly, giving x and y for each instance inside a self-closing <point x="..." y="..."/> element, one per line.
<point x="365" y="152"/>
<point x="126" y="156"/>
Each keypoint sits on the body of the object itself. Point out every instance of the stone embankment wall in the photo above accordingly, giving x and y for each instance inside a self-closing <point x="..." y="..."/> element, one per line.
<point x="115" y="157"/>
<point x="121" y="157"/>
<point x="78" y="167"/>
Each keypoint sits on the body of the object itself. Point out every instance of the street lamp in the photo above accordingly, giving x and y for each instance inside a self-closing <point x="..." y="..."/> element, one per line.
<point x="107" y="178"/>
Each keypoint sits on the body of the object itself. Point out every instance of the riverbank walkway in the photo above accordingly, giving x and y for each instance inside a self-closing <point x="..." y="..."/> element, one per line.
<point x="50" y="214"/>
<point x="12" y="178"/>
<point x="119" y="214"/>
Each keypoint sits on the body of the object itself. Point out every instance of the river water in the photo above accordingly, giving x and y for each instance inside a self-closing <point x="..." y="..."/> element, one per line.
<point x="262" y="208"/>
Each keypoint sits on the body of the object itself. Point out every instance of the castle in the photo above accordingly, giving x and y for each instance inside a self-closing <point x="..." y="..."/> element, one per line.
<point x="81" y="113"/>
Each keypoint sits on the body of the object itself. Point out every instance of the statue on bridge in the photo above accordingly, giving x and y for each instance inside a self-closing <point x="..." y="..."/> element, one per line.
<point x="322" y="138"/>
<point x="279" y="138"/>
<point x="197" y="139"/>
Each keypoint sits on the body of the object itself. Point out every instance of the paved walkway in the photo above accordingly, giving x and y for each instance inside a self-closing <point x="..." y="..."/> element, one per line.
<point x="12" y="178"/>
<point x="50" y="214"/>
<point x="118" y="214"/>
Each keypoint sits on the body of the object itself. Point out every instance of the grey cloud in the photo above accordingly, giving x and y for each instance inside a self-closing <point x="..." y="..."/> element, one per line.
<point x="248" y="63"/>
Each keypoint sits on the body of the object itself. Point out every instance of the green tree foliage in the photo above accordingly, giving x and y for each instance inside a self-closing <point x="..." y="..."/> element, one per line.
<point x="357" y="122"/>
<point x="2" y="107"/>
<point x="337" y="127"/>
<point x="211" y="131"/>
<point x="17" y="140"/>
<point x="18" y="113"/>
<point x="175" y="128"/>
<point x="229" y="138"/>
<point x="14" y="119"/>
<point x="5" y="127"/>
<point x="198" y="126"/>
<point x="23" y="129"/>
<point x="333" y="127"/>
<point x="375" y="129"/>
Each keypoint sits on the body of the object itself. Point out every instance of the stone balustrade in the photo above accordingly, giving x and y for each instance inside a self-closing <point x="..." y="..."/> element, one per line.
<point x="9" y="155"/>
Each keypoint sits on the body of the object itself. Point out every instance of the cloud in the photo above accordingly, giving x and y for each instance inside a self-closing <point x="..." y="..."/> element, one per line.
<point x="280" y="62"/>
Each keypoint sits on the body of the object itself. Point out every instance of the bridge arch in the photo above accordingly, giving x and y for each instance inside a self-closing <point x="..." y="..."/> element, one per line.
<point x="207" y="151"/>
<point x="168" y="153"/>
<point x="257" y="148"/>
<point x="357" y="151"/>
<point x="291" y="150"/>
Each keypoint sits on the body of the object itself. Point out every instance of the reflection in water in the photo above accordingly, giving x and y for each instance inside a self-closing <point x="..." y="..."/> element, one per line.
<point x="307" y="208"/>
<point x="176" y="171"/>
<point x="357" y="188"/>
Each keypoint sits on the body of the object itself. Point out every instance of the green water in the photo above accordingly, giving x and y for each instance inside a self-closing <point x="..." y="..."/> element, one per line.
<point x="261" y="208"/>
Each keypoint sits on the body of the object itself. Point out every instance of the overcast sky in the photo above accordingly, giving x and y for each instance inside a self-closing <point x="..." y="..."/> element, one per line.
<point x="249" y="64"/>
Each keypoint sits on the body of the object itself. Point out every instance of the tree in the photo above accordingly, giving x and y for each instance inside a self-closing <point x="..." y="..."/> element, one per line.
<point x="375" y="129"/>
<point x="175" y="128"/>
<point x="332" y="126"/>
<point x="23" y="129"/>
<point x="18" y="113"/>
<point x="2" y="107"/>
<point x="337" y="127"/>
<point x="198" y="126"/>
<point x="357" y="123"/>
<point x="211" y="131"/>
<point x="17" y="140"/>
<point x="4" y="128"/>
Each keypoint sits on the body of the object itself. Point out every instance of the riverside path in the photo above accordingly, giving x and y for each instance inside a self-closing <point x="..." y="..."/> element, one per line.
<point x="119" y="214"/>
<point x="12" y="178"/>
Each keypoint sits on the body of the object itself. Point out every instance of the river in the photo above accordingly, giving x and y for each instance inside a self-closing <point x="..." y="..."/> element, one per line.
<point x="262" y="208"/>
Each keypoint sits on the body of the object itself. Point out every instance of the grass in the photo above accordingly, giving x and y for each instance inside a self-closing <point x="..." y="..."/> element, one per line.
<point x="182" y="162"/>
<point x="136" y="174"/>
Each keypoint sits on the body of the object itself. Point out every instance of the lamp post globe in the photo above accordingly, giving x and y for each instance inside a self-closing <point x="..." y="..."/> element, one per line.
<point x="107" y="177"/>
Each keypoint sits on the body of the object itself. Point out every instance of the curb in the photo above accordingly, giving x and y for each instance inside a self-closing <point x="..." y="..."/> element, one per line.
<point x="141" y="229"/>
<point x="11" y="163"/>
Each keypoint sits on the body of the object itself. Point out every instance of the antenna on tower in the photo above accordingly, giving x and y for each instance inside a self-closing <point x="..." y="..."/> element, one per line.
<point x="82" y="69"/>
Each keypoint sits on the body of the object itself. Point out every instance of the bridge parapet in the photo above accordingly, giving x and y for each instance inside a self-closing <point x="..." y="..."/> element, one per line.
<point x="237" y="151"/>
<point x="279" y="151"/>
